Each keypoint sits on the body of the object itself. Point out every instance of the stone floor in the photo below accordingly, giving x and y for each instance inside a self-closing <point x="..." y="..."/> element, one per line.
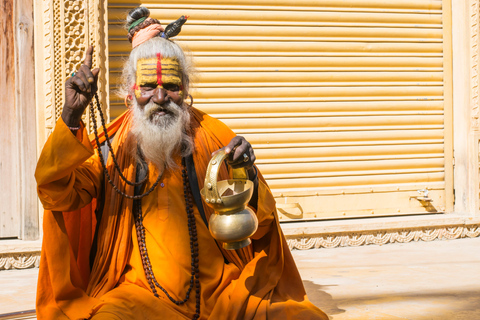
<point x="17" y="290"/>
<point x="418" y="281"/>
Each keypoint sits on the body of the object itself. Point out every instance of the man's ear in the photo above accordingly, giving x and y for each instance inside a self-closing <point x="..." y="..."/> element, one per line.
<point x="189" y="97"/>
<point x="128" y="100"/>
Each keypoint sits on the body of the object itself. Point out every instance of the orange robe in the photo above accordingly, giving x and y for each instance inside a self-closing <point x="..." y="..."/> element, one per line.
<point x="260" y="281"/>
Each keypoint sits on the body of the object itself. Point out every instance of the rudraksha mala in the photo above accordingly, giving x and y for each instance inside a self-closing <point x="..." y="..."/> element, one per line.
<point x="192" y="231"/>
<point x="114" y="158"/>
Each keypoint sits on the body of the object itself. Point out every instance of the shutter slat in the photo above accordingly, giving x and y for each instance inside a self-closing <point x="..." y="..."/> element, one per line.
<point x="300" y="48"/>
<point x="348" y="152"/>
<point x="266" y="16"/>
<point x="233" y="63"/>
<point x="340" y="92"/>
<point x="347" y="167"/>
<point x="324" y="123"/>
<point x="299" y="109"/>
<point x="289" y="5"/>
<point x="360" y="180"/>
<point x="335" y="138"/>
<point x="364" y="78"/>
<point x="190" y="32"/>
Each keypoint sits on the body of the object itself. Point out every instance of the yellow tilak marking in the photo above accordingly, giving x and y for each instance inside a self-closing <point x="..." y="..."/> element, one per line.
<point x="144" y="77"/>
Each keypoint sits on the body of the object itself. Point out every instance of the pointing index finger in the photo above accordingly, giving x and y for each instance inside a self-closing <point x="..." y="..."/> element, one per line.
<point x="88" y="57"/>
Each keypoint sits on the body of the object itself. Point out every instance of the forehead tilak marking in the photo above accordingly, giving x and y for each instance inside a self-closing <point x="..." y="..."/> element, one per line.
<point x="151" y="64"/>
<point x="158" y="70"/>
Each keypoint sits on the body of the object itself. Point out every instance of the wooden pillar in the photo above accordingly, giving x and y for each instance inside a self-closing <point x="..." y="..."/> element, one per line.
<point x="18" y="199"/>
<point x="26" y="123"/>
<point x="9" y="218"/>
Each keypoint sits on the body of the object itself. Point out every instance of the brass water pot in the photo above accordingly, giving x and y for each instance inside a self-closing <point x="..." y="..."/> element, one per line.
<point x="233" y="222"/>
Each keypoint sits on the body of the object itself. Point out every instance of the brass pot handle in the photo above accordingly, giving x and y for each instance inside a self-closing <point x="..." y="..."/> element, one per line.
<point x="211" y="191"/>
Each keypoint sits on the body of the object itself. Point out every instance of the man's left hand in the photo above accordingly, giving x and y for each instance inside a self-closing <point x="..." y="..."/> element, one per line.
<point x="240" y="153"/>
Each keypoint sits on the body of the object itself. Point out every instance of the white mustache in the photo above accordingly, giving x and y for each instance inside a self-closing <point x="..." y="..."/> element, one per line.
<point x="169" y="107"/>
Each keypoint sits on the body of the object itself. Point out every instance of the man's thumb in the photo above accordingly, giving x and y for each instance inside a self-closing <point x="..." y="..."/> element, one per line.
<point x="95" y="73"/>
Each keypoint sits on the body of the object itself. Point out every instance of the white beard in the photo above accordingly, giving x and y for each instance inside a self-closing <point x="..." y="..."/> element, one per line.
<point x="159" y="136"/>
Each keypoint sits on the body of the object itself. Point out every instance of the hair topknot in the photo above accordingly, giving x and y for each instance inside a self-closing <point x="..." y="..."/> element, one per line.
<point x="135" y="14"/>
<point x="133" y="24"/>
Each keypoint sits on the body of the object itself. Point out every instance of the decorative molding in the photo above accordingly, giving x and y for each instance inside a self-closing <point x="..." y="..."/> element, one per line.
<point x="98" y="33"/>
<point x="19" y="260"/>
<point x="474" y="65"/>
<point x="58" y="62"/>
<point x="382" y="237"/>
<point x="48" y="88"/>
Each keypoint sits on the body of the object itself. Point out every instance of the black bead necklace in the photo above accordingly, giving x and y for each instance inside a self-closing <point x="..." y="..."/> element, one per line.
<point x="192" y="231"/>
<point x="117" y="167"/>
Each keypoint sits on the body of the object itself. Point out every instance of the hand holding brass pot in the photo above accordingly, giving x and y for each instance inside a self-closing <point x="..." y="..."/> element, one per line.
<point x="233" y="222"/>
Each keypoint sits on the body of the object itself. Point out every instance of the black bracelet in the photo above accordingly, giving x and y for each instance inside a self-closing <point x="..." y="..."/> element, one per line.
<point x="256" y="174"/>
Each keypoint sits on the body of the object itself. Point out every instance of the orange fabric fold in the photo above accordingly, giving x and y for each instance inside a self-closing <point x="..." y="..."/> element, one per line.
<point x="68" y="289"/>
<point x="112" y="128"/>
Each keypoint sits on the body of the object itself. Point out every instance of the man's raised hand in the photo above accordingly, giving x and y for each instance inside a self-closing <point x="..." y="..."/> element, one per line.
<point x="79" y="91"/>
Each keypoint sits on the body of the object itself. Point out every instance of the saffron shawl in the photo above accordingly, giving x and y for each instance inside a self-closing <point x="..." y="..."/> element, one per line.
<point x="69" y="289"/>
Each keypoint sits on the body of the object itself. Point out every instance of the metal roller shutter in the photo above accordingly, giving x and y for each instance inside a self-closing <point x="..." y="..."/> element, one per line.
<point x="347" y="103"/>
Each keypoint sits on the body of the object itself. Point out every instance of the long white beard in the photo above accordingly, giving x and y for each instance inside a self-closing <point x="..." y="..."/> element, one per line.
<point x="159" y="136"/>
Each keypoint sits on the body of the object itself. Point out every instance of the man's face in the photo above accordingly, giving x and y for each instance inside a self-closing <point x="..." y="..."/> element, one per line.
<point x="158" y="80"/>
<point x="159" y="115"/>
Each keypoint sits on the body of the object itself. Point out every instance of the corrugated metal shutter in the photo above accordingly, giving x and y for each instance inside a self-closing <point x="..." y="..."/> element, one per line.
<point x="346" y="102"/>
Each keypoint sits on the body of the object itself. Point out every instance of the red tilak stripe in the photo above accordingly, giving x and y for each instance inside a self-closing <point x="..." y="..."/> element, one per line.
<point x="159" y="69"/>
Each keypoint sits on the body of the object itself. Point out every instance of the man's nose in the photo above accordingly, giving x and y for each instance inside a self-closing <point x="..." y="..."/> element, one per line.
<point x="160" y="96"/>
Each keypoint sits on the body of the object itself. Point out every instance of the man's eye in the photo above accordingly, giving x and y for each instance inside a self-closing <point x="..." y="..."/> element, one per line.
<point x="171" y="87"/>
<point x="148" y="87"/>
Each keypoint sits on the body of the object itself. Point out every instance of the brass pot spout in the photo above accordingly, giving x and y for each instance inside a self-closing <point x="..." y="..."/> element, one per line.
<point x="232" y="223"/>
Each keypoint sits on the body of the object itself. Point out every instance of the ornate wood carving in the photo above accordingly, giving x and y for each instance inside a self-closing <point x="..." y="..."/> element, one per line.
<point x="474" y="95"/>
<point x="69" y="27"/>
<point x="48" y="66"/>
<point x="98" y="37"/>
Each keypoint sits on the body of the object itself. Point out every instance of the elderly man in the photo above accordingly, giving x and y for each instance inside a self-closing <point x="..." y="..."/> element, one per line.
<point x="125" y="237"/>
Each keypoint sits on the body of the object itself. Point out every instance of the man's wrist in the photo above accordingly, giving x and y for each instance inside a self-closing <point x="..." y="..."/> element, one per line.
<point x="252" y="173"/>
<point x="71" y="120"/>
